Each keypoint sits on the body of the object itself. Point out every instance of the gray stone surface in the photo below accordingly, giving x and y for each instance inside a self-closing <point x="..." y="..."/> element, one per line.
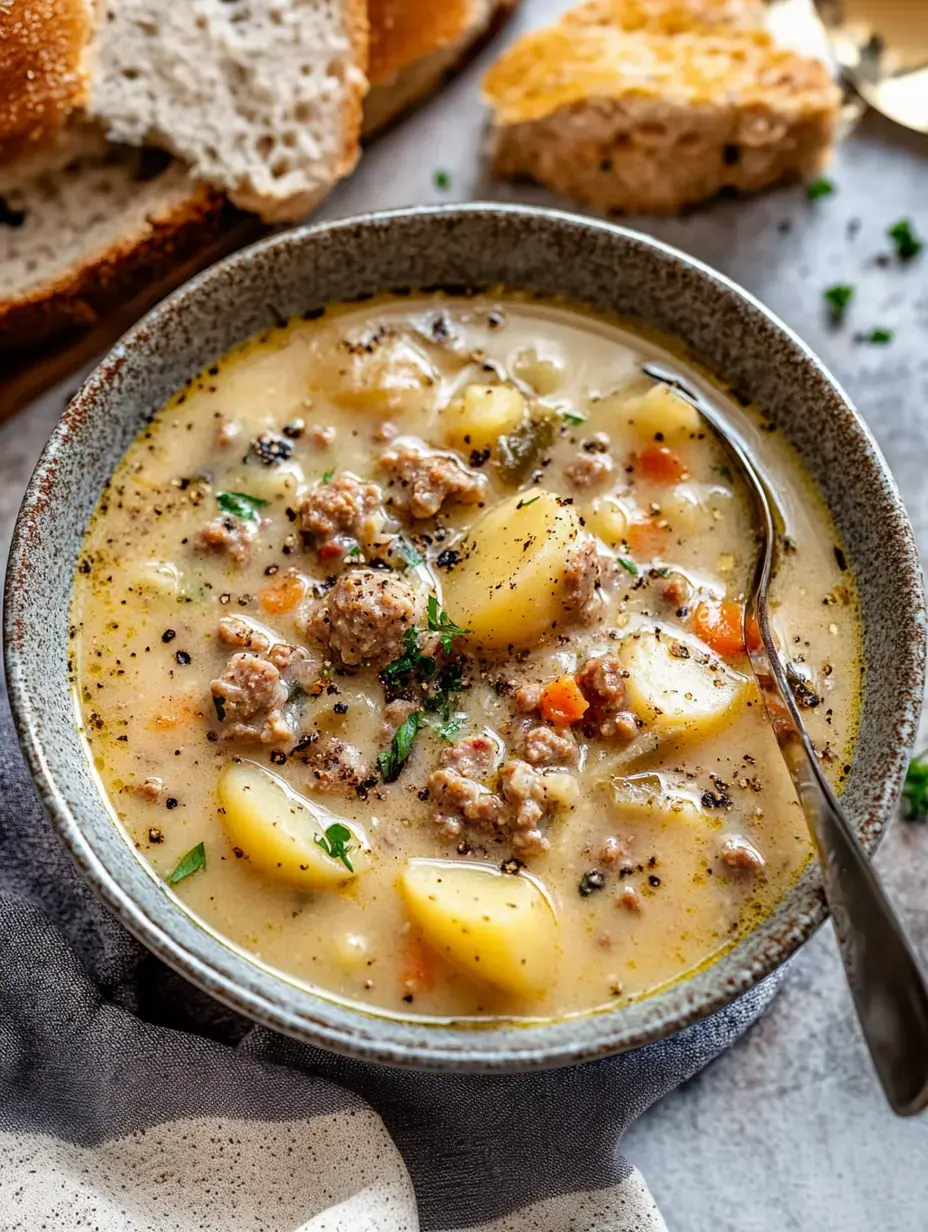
<point x="788" y="1130"/>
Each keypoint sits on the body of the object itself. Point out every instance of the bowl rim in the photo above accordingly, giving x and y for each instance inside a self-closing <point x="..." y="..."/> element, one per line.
<point x="355" y="1032"/>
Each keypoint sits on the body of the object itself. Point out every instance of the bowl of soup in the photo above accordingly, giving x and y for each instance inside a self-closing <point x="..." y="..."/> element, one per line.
<point x="374" y="635"/>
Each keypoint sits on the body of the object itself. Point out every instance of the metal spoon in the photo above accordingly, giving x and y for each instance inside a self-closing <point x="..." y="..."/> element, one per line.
<point x="888" y="988"/>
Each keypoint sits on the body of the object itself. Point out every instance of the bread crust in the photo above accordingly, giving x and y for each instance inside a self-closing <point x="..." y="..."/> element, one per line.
<point x="43" y="70"/>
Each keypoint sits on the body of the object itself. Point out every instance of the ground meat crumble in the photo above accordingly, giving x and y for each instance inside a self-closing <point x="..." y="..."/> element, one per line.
<point x="341" y="513"/>
<point x="364" y="616"/>
<point x="249" y="697"/>
<point x="421" y="481"/>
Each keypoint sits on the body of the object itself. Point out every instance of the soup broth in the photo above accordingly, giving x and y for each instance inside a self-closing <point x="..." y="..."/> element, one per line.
<point x="408" y="650"/>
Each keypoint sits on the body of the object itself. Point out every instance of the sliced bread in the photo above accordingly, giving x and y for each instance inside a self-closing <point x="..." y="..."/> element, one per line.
<point x="669" y="16"/>
<point x="43" y="69"/>
<point x="261" y="98"/>
<point x="87" y="225"/>
<point x="415" y="43"/>
<point x="632" y="120"/>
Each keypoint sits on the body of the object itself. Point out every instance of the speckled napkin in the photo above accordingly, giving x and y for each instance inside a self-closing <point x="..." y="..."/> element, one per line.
<point x="129" y="1102"/>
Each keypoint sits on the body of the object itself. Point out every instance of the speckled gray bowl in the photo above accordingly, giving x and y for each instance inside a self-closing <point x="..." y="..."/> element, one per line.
<point x="606" y="266"/>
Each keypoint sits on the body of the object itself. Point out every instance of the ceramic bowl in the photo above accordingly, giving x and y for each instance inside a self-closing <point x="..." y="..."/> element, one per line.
<point x="608" y="267"/>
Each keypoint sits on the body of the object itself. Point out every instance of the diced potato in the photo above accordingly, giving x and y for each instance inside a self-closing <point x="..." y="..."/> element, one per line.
<point x="276" y="829"/>
<point x="268" y="482"/>
<point x="661" y="410"/>
<point x="607" y="518"/>
<point x="510" y="586"/>
<point x="389" y="376"/>
<point x="652" y="796"/>
<point x="676" y="687"/>
<point x="691" y="507"/>
<point x="497" y="928"/>
<point x="158" y="577"/>
<point x="481" y="415"/>
<point x="545" y="373"/>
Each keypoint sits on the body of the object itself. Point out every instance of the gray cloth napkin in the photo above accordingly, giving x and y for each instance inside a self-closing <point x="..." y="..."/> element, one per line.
<point x="130" y="1101"/>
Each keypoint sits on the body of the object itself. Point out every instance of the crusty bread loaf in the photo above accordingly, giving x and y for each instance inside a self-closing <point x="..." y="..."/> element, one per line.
<point x="85" y="224"/>
<point x="638" y="121"/>
<point x="415" y="43"/>
<point x="262" y="100"/>
<point x="43" y="69"/>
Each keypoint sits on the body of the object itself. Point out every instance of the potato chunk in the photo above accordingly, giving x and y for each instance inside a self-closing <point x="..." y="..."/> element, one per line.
<point x="663" y="411"/>
<point x="655" y="796"/>
<point x="676" y="686"/>
<point x="276" y="829"/>
<point x="481" y="415"/>
<point x="496" y="928"/>
<point x="510" y="587"/>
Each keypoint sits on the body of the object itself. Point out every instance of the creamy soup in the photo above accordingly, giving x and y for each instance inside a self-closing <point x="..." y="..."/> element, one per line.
<point x="408" y="649"/>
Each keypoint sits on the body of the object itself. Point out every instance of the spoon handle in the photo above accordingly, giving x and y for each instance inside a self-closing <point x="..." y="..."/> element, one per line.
<point x="888" y="987"/>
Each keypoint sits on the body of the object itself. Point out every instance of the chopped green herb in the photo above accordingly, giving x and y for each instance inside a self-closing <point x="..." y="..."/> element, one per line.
<point x="449" y="683"/>
<point x="442" y="180"/>
<point x="571" y="418"/>
<point x="354" y="552"/>
<point x="240" y="505"/>
<point x="902" y="234"/>
<point x="220" y="704"/>
<point x="628" y="565"/>
<point x="192" y="862"/>
<point x="392" y="760"/>
<point x="335" y="843"/>
<point x="915" y="789"/>
<point x="410" y="553"/>
<point x="411" y="660"/>
<point x="440" y="622"/>
<point x="819" y="188"/>
<point x="327" y="476"/>
<point x="838" y="298"/>
<point x="524" y="504"/>
<point x="879" y="336"/>
<point x="296" y="692"/>
<point x="451" y="726"/>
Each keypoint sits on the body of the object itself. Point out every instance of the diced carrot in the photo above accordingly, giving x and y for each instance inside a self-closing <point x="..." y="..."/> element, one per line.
<point x="283" y="594"/>
<point x="720" y="626"/>
<point x="562" y="702"/>
<point x="660" y="464"/>
<point x="418" y="972"/>
<point x="331" y="551"/>
<point x="647" y="538"/>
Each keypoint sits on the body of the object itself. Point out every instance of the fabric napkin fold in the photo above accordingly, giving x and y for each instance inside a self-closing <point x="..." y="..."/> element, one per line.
<point x="131" y="1102"/>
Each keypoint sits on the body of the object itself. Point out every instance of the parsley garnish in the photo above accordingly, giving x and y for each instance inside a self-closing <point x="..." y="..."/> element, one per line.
<point x="819" y="188"/>
<point x="354" y="552"/>
<point x="392" y="760"/>
<point x="902" y="234"/>
<point x="409" y="552"/>
<point x="571" y="418"/>
<point x="628" y="565"/>
<point x="915" y="789"/>
<point x="524" y="504"/>
<point x="448" y="683"/>
<point x="838" y="297"/>
<point x="240" y="505"/>
<point x="335" y="843"/>
<point x="192" y="862"/>
<point x="411" y="660"/>
<point x="451" y="726"/>
<point x="327" y="476"/>
<point x="440" y="622"/>
<point x="220" y="704"/>
<point x="879" y="336"/>
<point x="442" y="180"/>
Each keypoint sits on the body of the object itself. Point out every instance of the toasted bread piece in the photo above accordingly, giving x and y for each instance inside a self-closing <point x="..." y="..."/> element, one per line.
<point x="414" y="44"/>
<point x="649" y="123"/>
<point x="86" y="225"/>
<point x="669" y="16"/>
<point x="43" y="69"/>
<point x="262" y="101"/>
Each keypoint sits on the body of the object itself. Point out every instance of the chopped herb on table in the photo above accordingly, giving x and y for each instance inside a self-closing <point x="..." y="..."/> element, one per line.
<point x="240" y="505"/>
<point x="335" y="843"/>
<point x="820" y="188"/>
<point x="192" y="862"/>
<point x="915" y="789"/>
<point x="838" y="299"/>
<point x="879" y="336"/>
<point x="440" y="622"/>
<point x="441" y="180"/>
<point x="392" y="760"/>
<point x="902" y="234"/>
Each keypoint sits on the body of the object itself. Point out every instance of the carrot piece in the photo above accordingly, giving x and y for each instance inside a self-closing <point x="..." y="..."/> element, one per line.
<point x="418" y="972"/>
<point x="660" y="464"/>
<point x="720" y="626"/>
<point x="283" y="594"/>
<point x="562" y="702"/>
<point x="646" y="539"/>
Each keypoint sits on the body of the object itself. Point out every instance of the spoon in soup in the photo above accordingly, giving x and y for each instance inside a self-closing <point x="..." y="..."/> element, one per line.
<point x="888" y="987"/>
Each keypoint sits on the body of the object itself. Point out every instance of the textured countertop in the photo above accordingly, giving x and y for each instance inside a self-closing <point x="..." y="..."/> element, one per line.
<point x="788" y="1130"/>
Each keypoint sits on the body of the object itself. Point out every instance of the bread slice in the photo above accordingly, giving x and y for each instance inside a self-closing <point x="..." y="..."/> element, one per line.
<point x="43" y="69"/>
<point x="637" y="121"/>
<point x="87" y="225"/>
<point x="669" y="16"/>
<point x="415" y="43"/>
<point x="261" y="98"/>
